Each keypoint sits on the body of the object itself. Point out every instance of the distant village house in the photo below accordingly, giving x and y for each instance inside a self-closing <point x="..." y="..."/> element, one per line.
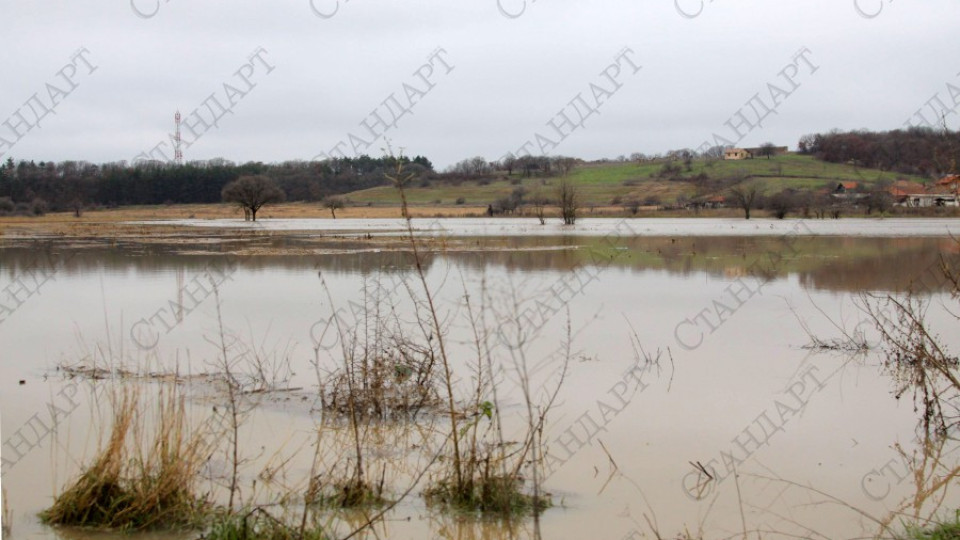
<point x="845" y="187"/>
<point x="736" y="153"/>
<point x="913" y="195"/>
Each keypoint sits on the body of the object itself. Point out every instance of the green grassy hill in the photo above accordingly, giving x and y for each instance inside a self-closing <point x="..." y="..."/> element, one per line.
<point x="604" y="183"/>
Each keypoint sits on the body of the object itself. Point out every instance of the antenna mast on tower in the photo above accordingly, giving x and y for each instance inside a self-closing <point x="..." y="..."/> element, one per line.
<point x="177" y="150"/>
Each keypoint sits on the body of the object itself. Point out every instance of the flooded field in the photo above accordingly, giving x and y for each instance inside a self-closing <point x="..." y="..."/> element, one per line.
<point x="712" y="377"/>
<point x="598" y="226"/>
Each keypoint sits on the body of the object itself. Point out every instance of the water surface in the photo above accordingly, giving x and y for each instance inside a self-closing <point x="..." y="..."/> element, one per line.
<point x="727" y="308"/>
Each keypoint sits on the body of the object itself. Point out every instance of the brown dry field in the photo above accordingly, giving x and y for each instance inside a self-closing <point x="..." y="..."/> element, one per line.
<point x="113" y="223"/>
<point x="108" y="222"/>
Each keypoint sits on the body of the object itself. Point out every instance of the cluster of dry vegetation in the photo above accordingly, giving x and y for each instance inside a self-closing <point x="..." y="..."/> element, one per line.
<point x="393" y="373"/>
<point x="386" y="374"/>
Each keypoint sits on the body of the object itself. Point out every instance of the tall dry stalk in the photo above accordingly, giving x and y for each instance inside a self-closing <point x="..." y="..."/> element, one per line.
<point x="7" y="527"/>
<point x="399" y="180"/>
<point x="351" y="388"/>
<point x="232" y="403"/>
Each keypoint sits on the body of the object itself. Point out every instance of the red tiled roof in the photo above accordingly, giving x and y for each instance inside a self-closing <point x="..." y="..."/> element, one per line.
<point x="949" y="179"/>
<point x="903" y="189"/>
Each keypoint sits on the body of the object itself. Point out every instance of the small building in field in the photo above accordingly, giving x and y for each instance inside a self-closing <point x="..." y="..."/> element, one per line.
<point x="712" y="202"/>
<point x="929" y="200"/>
<point x="717" y="201"/>
<point x="845" y="187"/>
<point x="846" y="191"/>
<point x="902" y="191"/>
<point x="737" y="153"/>
<point x="913" y="195"/>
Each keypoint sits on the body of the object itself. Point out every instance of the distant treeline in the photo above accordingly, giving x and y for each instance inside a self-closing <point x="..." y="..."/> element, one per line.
<point x="69" y="184"/>
<point x="918" y="150"/>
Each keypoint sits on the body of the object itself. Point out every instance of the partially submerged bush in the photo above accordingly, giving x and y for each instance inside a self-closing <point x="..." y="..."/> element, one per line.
<point x="379" y="372"/>
<point x="347" y="492"/>
<point x="260" y="525"/>
<point x="394" y="383"/>
<point x="488" y="493"/>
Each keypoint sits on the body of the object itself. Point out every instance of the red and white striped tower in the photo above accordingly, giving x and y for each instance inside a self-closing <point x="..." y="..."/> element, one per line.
<point x="177" y="150"/>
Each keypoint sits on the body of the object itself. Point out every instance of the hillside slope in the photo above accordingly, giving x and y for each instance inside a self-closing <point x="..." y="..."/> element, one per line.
<point x="616" y="182"/>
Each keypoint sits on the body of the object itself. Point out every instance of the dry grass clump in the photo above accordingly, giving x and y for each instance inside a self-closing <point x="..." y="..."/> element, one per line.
<point x="144" y="477"/>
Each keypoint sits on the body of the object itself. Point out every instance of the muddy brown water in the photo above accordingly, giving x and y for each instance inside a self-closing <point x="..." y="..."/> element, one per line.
<point x="810" y="433"/>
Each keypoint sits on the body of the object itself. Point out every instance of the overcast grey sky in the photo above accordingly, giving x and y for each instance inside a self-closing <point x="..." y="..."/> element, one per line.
<point x="475" y="77"/>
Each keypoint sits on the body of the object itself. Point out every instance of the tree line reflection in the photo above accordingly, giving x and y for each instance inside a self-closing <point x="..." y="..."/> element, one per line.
<point x="839" y="264"/>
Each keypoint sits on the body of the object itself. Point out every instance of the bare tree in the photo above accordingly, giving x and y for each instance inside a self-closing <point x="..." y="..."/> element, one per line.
<point x="568" y="200"/>
<point x="508" y="162"/>
<point x="539" y="203"/>
<point x="714" y="152"/>
<point x="808" y="144"/>
<point x="77" y="205"/>
<point x="879" y="200"/>
<point x="783" y="203"/>
<point x="334" y="204"/>
<point x="745" y="197"/>
<point x="564" y="164"/>
<point x="252" y="192"/>
<point x="479" y="165"/>
<point x="767" y="149"/>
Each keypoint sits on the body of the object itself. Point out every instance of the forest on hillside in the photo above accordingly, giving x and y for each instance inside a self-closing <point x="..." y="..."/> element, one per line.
<point x="918" y="150"/>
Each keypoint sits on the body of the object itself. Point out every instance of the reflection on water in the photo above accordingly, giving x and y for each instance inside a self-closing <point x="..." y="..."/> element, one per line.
<point x="826" y="263"/>
<point x="929" y="469"/>
<point x="844" y="465"/>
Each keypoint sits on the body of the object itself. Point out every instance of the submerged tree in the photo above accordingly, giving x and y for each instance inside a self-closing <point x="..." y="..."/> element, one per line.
<point x="539" y="203"/>
<point x="568" y="200"/>
<point x="252" y="192"/>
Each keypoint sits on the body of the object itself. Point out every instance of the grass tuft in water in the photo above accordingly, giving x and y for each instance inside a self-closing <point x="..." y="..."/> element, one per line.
<point x="137" y="484"/>
<point x="949" y="530"/>
<point x="348" y="493"/>
<point x="492" y="495"/>
<point x="260" y="525"/>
